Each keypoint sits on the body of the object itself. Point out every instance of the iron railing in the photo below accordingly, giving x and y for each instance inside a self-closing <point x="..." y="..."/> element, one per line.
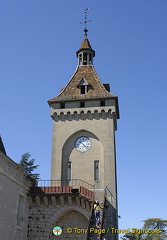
<point x="110" y="197"/>
<point x="64" y="183"/>
<point x="64" y="186"/>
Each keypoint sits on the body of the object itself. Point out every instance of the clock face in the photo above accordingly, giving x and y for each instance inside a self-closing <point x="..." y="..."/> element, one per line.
<point x="83" y="144"/>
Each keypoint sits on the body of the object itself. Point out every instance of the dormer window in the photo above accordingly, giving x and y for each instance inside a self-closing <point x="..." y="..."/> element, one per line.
<point x="83" y="86"/>
<point x="83" y="89"/>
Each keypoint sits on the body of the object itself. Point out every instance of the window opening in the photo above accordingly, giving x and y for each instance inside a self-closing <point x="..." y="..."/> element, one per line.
<point x="20" y="210"/>
<point x="84" y="58"/>
<point x="82" y="104"/>
<point x="83" y="89"/>
<point x="62" y="105"/>
<point x="90" y="59"/>
<point x="80" y="58"/>
<point x="83" y="86"/>
<point x="102" y="103"/>
<point x="96" y="170"/>
<point x="69" y="171"/>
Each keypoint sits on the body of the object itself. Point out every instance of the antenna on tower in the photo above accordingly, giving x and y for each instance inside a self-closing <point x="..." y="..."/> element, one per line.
<point x="85" y="22"/>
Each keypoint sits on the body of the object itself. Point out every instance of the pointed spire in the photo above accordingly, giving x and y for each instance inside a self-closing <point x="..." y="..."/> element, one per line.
<point x="85" y="54"/>
<point x="86" y="45"/>
<point x="2" y="148"/>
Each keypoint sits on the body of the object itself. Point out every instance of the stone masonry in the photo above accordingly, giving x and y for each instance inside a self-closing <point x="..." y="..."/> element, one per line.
<point x="64" y="210"/>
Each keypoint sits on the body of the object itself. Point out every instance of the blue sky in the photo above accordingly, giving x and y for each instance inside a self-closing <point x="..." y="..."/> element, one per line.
<point x="39" y="39"/>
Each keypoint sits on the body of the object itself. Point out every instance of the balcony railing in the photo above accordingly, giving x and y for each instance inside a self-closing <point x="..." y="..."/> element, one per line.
<point x="64" y="186"/>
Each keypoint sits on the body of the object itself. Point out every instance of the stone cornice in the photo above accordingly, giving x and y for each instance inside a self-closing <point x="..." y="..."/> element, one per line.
<point x="83" y="113"/>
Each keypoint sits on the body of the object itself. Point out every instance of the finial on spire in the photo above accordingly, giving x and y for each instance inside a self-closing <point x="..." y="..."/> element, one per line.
<point x="85" y="22"/>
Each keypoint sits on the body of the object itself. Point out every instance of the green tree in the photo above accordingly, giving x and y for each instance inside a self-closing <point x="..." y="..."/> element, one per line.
<point x="132" y="236"/>
<point x="158" y="230"/>
<point x="160" y="227"/>
<point x="28" y="165"/>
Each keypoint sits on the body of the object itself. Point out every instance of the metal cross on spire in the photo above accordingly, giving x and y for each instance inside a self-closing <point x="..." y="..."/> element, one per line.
<point x="85" y="22"/>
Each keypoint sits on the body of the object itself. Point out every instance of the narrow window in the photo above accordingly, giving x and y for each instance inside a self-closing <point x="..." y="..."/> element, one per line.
<point x="84" y="58"/>
<point x="102" y="103"/>
<point x="20" y="210"/>
<point x="62" y="105"/>
<point x="90" y="59"/>
<point x="82" y="104"/>
<point x="96" y="170"/>
<point x="80" y="59"/>
<point x="69" y="171"/>
<point x="83" y="89"/>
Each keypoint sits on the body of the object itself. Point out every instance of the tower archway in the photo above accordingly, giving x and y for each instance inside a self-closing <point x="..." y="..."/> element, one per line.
<point x="82" y="154"/>
<point x="71" y="221"/>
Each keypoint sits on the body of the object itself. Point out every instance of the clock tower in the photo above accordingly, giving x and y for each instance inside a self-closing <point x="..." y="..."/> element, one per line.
<point x="85" y="117"/>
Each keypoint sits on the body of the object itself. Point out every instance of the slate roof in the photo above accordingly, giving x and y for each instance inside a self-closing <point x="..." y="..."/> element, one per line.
<point x="95" y="88"/>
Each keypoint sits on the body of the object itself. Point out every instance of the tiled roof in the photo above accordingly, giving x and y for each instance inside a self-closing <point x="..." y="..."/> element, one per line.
<point x="2" y="148"/>
<point x="95" y="88"/>
<point x="85" y="45"/>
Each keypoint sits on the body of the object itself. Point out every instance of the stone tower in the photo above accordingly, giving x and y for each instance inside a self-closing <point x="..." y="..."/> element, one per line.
<point x="84" y="122"/>
<point x="85" y="117"/>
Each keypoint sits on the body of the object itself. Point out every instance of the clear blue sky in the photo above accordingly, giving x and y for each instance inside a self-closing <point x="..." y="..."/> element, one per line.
<point x="38" y="42"/>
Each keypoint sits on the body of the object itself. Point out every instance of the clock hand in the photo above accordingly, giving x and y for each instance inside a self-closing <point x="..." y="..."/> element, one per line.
<point x="85" y="145"/>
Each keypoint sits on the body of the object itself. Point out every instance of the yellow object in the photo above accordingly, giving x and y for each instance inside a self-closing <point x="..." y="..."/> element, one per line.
<point x="96" y="207"/>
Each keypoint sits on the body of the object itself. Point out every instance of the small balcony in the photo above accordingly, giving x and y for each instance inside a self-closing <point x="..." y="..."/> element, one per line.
<point x="75" y="186"/>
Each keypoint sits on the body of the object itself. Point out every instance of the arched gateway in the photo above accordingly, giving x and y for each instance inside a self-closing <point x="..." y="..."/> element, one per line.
<point x="65" y="210"/>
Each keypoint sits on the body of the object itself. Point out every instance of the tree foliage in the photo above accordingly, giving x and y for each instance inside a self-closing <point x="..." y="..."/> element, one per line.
<point x="157" y="227"/>
<point x="156" y="223"/>
<point x="132" y="236"/>
<point x="28" y="165"/>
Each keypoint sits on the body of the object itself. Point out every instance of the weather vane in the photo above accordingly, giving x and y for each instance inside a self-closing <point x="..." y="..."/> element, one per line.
<point x="85" y="22"/>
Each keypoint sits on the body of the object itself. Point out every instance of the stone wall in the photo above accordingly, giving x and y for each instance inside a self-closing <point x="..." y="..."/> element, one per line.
<point x="110" y="221"/>
<point x="64" y="210"/>
<point x="14" y="186"/>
